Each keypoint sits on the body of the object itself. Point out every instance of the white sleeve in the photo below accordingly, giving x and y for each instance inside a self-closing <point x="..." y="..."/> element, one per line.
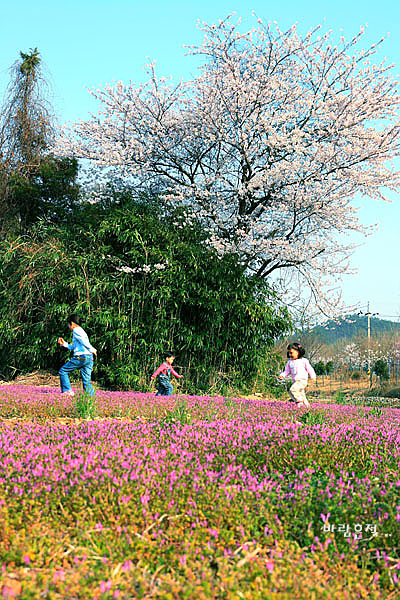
<point x="82" y="337"/>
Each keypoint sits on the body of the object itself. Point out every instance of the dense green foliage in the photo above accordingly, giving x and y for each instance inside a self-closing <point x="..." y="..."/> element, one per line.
<point x="48" y="193"/>
<point x="145" y="281"/>
<point x="322" y="368"/>
<point x="381" y="369"/>
<point x="319" y="368"/>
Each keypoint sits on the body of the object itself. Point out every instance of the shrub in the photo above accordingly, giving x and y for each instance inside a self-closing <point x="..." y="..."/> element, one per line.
<point x="329" y="367"/>
<point x="319" y="368"/>
<point x="381" y="369"/>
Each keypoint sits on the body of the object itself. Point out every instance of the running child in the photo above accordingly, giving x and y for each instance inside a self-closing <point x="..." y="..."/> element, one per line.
<point x="82" y="357"/>
<point x="163" y="373"/>
<point x="299" y="368"/>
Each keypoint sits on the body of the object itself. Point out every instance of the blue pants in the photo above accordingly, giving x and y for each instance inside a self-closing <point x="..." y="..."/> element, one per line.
<point x="85" y="364"/>
<point x="164" y="387"/>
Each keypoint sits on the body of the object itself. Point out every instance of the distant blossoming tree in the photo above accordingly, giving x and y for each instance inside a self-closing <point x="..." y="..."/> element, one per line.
<point x="268" y="146"/>
<point x="363" y="352"/>
<point x="352" y="356"/>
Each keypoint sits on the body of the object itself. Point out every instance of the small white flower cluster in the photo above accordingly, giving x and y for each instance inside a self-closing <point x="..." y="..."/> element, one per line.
<point x="144" y="269"/>
<point x="126" y="269"/>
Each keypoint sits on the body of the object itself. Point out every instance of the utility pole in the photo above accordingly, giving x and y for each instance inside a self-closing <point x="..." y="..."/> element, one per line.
<point x="369" y="345"/>
<point x="368" y="315"/>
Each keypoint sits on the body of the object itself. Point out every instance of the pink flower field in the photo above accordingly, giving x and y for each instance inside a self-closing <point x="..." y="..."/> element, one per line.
<point x="196" y="497"/>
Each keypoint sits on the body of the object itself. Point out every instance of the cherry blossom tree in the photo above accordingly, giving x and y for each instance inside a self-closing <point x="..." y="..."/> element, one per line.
<point x="361" y="352"/>
<point x="268" y="146"/>
<point x="352" y="356"/>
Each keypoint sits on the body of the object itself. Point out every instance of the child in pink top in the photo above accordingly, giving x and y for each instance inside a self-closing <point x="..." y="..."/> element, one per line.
<point x="164" y="372"/>
<point x="299" y="368"/>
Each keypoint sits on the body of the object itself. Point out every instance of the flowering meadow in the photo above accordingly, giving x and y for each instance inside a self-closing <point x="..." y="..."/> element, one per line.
<point x="196" y="497"/>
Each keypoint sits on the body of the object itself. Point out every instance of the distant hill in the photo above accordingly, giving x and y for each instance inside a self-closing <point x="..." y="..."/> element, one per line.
<point x="352" y="326"/>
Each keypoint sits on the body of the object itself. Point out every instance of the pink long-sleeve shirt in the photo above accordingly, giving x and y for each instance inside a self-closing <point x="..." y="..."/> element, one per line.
<point x="164" y="368"/>
<point x="299" y="369"/>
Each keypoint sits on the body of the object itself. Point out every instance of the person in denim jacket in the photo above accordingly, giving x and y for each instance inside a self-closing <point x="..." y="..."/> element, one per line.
<point x="82" y="358"/>
<point x="163" y="373"/>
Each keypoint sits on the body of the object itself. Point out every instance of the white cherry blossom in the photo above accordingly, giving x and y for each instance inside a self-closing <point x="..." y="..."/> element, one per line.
<point x="268" y="146"/>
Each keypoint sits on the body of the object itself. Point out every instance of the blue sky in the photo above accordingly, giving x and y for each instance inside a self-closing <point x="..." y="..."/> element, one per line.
<point x="88" y="43"/>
